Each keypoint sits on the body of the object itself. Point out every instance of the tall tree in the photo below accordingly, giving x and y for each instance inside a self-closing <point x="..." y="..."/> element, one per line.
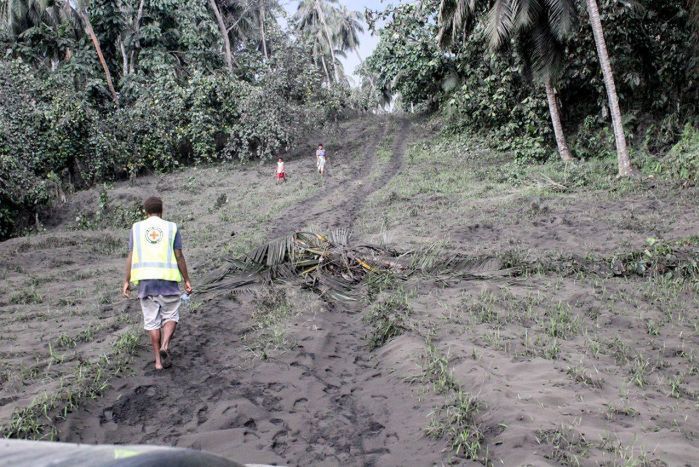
<point x="312" y="17"/>
<point x="349" y="26"/>
<point x="264" y="11"/>
<point x="263" y="38"/>
<point x="538" y="28"/>
<point x="227" y="53"/>
<point x="625" y="168"/>
<point x="240" y="21"/>
<point x="80" y="7"/>
<point x="129" y="37"/>
<point x="456" y="18"/>
<point x="22" y="14"/>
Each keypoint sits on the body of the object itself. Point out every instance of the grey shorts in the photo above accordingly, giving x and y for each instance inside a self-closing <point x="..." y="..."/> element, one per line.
<point x="159" y="309"/>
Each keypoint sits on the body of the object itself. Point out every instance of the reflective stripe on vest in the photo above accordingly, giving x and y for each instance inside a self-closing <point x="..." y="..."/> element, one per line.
<point x="153" y="254"/>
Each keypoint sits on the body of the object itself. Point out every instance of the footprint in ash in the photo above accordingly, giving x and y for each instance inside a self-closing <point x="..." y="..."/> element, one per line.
<point x="299" y="403"/>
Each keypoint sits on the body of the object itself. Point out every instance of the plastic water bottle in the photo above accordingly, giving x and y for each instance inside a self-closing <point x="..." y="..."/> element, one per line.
<point x="185" y="300"/>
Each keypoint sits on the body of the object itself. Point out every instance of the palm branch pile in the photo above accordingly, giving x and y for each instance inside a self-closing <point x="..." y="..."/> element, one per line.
<point x="325" y="263"/>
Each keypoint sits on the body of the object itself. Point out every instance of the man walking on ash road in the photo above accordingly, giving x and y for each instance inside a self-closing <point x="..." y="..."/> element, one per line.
<point x="157" y="265"/>
<point x="320" y="160"/>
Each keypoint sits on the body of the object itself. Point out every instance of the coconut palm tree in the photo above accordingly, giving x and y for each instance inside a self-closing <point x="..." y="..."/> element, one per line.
<point x="321" y="54"/>
<point x="538" y="28"/>
<point x="625" y="168"/>
<point x="348" y="26"/>
<point x="313" y="16"/>
<point x="80" y="8"/>
<point x="223" y="30"/>
<point x="540" y="43"/>
<point x="20" y="15"/>
<point x="456" y="20"/>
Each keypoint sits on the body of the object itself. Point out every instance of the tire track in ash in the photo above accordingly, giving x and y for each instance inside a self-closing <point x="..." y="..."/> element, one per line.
<point x="354" y="205"/>
<point x="328" y="401"/>
<point x="345" y="406"/>
<point x="331" y="199"/>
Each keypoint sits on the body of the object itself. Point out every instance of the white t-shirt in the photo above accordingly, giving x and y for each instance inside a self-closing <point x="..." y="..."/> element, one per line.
<point x="280" y="167"/>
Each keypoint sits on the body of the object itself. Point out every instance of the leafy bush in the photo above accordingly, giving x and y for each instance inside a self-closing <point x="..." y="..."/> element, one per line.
<point x="682" y="162"/>
<point x="54" y="137"/>
<point x="650" y="45"/>
<point x="109" y="215"/>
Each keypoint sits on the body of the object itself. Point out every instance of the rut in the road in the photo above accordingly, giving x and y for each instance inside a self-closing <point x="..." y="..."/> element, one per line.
<point x="338" y="204"/>
<point x="330" y="400"/>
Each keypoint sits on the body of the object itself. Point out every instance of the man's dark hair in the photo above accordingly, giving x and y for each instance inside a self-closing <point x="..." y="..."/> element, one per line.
<point x="320" y="145"/>
<point x="153" y="205"/>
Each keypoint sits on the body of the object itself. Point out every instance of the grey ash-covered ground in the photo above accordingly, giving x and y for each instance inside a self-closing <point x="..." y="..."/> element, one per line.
<point x="566" y="334"/>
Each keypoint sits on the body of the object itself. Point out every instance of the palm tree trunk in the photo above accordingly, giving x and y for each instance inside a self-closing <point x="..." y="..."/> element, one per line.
<point x="136" y="35"/>
<point x="694" y="21"/>
<point x="224" y="35"/>
<point x="625" y="168"/>
<point x="124" y="57"/>
<point x="563" y="150"/>
<point x="139" y="15"/>
<point x="95" y="41"/>
<point x="262" y="31"/>
<point x="325" y="68"/>
<point x="321" y="16"/>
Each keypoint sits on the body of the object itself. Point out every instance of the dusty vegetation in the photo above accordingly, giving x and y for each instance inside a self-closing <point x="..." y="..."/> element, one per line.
<point x="544" y="319"/>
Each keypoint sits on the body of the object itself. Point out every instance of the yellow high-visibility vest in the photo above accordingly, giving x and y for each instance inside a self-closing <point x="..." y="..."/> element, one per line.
<point x="153" y="256"/>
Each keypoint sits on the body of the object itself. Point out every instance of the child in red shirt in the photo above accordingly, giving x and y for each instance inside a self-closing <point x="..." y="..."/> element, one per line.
<point x="281" y="171"/>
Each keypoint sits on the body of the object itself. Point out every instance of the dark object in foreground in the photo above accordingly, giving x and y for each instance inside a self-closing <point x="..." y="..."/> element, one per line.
<point x="43" y="453"/>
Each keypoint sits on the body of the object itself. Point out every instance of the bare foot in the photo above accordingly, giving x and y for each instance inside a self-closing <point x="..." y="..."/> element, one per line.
<point x="165" y="358"/>
<point x="158" y="367"/>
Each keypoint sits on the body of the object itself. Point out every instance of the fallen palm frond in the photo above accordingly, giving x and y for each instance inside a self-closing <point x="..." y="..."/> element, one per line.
<point x="326" y="263"/>
<point x="544" y="182"/>
<point x="330" y="265"/>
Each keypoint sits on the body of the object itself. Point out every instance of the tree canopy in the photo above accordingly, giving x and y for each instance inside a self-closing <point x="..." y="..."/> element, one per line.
<point x="480" y="64"/>
<point x="97" y="90"/>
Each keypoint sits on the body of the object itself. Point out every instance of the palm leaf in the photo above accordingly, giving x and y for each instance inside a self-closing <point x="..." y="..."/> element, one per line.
<point x="325" y="263"/>
<point x="500" y="23"/>
<point x="527" y="12"/>
<point x="455" y="20"/>
<point x="340" y="236"/>
<point x="561" y="17"/>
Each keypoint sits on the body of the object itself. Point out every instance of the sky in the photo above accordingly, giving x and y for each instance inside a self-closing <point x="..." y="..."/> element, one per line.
<point x="367" y="42"/>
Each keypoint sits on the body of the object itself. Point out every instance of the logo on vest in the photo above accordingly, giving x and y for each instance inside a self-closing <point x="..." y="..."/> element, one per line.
<point x="154" y="235"/>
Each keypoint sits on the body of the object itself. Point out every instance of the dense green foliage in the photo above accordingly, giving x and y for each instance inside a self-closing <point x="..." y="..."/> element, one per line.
<point x="177" y="103"/>
<point x="650" y="44"/>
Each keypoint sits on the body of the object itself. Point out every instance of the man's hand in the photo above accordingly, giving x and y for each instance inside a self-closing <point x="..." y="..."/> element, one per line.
<point x="125" y="290"/>
<point x="187" y="287"/>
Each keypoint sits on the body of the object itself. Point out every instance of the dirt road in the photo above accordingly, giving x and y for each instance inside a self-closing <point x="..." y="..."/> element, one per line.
<point x="327" y="401"/>
<point x="574" y="343"/>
